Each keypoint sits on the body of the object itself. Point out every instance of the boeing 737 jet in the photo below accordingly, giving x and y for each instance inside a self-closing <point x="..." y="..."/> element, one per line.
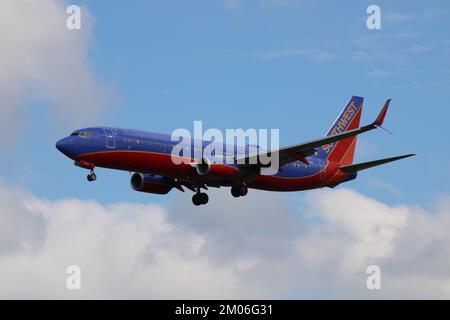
<point x="324" y="162"/>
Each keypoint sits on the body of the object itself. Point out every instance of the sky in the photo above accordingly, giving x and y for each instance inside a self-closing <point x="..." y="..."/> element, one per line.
<point x="285" y="64"/>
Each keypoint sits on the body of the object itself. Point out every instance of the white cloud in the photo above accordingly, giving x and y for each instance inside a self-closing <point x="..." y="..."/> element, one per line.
<point x="41" y="60"/>
<point x="382" y="184"/>
<point x="279" y="3"/>
<point x="258" y="247"/>
<point x="381" y="73"/>
<point x="420" y="48"/>
<point x="397" y="17"/>
<point x="402" y="17"/>
<point x="434" y="14"/>
<point x="314" y="54"/>
<point x="231" y="5"/>
<point x="408" y="35"/>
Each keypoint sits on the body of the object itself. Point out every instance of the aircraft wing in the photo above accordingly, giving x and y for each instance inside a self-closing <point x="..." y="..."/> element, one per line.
<point x="302" y="150"/>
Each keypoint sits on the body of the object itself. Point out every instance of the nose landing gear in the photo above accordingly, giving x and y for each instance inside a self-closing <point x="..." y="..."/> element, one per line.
<point x="87" y="165"/>
<point x="91" y="176"/>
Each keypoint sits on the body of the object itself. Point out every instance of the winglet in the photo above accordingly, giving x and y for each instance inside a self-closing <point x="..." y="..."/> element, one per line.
<point x="380" y="119"/>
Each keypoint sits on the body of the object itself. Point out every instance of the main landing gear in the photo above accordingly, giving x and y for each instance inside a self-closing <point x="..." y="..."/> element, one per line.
<point x="91" y="176"/>
<point x="239" y="190"/>
<point x="200" y="198"/>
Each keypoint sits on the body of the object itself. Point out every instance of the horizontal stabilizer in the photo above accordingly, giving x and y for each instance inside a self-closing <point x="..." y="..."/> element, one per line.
<point x="308" y="148"/>
<point x="370" y="164"/>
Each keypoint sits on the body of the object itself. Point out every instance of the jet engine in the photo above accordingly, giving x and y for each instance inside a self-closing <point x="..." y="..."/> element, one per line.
<point x="203" y="167"/>
<point x="218" y="171"/>
<point x="150" y="183"/>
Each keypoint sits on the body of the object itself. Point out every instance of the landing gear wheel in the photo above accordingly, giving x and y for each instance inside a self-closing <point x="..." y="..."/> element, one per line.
<point x="91" y="177"/>
<point x="239" y="190"/>
<point x="195" y="200"/>
<point x="235" y="191"/>
<point x="200" y="198"/>
<point x="243" y="190"/>
<point x="203" y="198"/>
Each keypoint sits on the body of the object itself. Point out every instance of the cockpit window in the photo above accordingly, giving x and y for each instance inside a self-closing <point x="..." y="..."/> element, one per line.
<point x="82" y="134"/>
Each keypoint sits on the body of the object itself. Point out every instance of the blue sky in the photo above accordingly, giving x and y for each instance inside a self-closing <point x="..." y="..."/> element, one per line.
<point x="290" y="65"/>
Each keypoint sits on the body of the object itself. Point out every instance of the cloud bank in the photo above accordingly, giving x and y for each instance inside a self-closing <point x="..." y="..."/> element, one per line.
<point x="43" y="61"/>
<point x="258" y="247"/>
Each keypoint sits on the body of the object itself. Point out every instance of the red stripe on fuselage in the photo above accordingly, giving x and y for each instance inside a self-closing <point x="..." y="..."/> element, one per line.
<point x="162" y="164"/>
<point x="154" y="163"/>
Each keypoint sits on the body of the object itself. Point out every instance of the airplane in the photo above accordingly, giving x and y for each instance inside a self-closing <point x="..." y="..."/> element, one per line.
<point x="324" y="162"/>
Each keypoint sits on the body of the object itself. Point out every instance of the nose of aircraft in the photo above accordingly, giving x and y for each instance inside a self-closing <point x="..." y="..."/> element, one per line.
<point x="63" y="146"/>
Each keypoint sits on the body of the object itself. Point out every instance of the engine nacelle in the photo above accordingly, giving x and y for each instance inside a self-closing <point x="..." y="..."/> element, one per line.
<point x="150" y="183"/>
<point x="218" y="171"/>
<point x="203" y="167"/>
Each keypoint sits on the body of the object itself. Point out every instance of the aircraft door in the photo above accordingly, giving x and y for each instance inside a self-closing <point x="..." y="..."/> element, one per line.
<point x="323" y="173"/>
<point x="110" y="139"/>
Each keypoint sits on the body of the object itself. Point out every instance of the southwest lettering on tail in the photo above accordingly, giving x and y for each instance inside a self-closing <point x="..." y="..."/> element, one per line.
<point x="345" y="120"/>
<point x="324" y="162"/>
<point x="348" y="115"/>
